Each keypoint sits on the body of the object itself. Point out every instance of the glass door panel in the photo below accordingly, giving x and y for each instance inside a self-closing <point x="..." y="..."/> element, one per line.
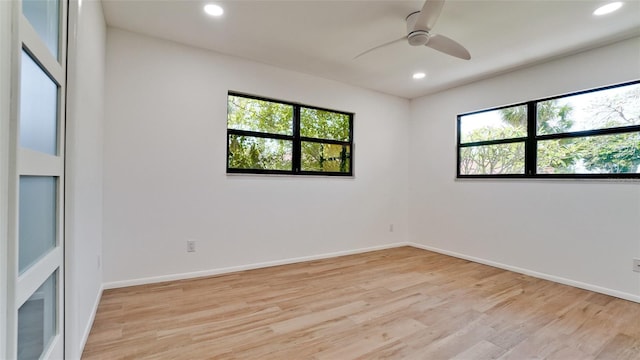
<point x="38" y="108"/>
<point x="44" y="16"/>
<point x="38" y="219"/>
<point x="37" y="320"/>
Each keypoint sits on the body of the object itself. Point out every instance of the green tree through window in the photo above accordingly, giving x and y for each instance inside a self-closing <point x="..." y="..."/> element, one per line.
<point x="591" y="134"/>
<point x="270" y="136"/>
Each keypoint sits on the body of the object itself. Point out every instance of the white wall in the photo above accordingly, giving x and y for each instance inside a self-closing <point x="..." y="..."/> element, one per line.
<point x="165" y="180"/>
<point x="84" y="171"/>
<point x="582" y="231"/>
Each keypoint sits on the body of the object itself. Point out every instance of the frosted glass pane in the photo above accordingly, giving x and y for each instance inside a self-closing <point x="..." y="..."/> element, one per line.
<point x="44" y="16"/>
<point x="37" y="320"/>
<point x="38" y="218"/>
<point x="38" y="108"/>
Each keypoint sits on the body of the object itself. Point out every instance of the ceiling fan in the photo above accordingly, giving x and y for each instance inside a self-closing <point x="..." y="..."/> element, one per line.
<point x="419" y="25"/>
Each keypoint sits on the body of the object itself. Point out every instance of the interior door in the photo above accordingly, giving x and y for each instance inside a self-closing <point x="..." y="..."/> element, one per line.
<point x="35" y="328"/>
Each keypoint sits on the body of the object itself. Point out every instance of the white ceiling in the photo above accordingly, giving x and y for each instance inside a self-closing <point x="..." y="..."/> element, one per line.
<point x="322" y="37"/>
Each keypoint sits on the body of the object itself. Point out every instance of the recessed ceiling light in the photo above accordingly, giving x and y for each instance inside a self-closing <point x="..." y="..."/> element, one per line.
<point x="609" y="8"/>
<point x="419" y="75"/>
<point x="213" y="10"/>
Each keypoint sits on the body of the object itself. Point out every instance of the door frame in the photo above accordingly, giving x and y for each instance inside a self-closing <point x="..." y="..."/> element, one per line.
<point x="6" y="45"/>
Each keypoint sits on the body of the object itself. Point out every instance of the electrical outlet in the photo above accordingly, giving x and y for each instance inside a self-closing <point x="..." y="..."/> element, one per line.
<point x="191" y="246"/>
<point x="636" y="265"/>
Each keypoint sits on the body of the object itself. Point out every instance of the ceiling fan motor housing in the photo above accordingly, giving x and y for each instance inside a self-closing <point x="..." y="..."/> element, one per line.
<point x="418" y="38"/>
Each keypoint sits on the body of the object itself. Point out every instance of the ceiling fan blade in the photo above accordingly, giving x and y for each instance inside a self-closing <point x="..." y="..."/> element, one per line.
<point x="380" y="46"/>
<point x="428" y="15"/>
<point x="448" y="46"/>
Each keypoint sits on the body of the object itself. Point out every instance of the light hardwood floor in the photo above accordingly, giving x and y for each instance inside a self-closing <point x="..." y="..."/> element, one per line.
<point x="402" y="303"/>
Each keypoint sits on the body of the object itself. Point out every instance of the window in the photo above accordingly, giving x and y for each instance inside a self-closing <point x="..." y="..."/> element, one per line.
<point x="267" y="136"/>
<point x="590" y="134"/>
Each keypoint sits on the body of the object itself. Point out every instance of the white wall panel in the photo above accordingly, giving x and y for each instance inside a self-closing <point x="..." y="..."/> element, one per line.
<point x="165" y="154"/>
<point x="584" y="231"/>
<point x="84" y="170"/>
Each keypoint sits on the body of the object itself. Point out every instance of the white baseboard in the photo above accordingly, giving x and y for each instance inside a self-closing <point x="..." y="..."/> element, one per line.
<point x="558" y="279"/>
<point x="87" y="329"/>
<point x="205" y="273"/>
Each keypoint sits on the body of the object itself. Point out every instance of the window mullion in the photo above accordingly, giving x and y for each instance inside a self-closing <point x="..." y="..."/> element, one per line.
<point x="531" y="146"/>
<point x="494" y="142"/>
<point x="259" y="134"/>
<point x="297" y="144"/>
<point x="324" y="141"/>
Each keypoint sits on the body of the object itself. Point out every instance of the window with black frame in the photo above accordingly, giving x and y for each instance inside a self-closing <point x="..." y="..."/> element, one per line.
<point x="266" y="136"/>
<point x="590" y="134"/>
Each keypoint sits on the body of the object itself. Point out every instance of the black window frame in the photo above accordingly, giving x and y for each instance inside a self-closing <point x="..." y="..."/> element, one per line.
<point x="532" y="139"/>
<point x="295" y="138"/>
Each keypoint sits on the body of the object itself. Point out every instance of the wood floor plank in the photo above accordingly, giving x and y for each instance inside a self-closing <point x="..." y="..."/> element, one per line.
<point x="483" y="350"/>
<point x="621" y="347"/>
<point x="401" y="303"/>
